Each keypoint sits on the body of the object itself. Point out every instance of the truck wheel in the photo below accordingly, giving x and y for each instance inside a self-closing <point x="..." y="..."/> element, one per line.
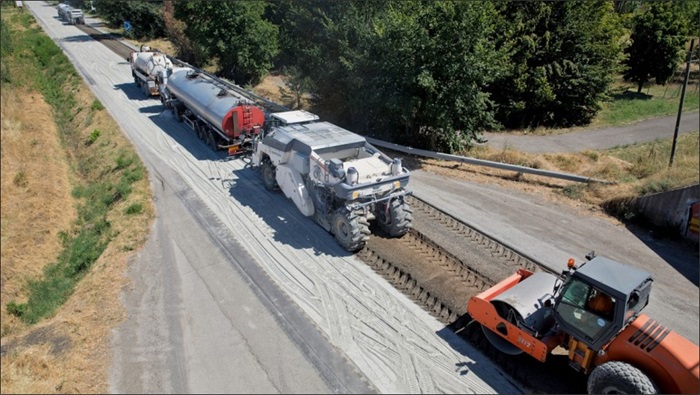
<point x="617" y="377"/>
<point x="211" y="140"/>
<point x="351" y="229"/>
<point x="395" y="217"/>
<point x="176" y="114"/>
<point x="268" y="176"/>
<point x="198" y="130"/>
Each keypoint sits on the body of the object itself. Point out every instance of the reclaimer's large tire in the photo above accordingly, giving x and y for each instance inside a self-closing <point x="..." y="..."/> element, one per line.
<point x="268" y="176"/>
<point x="351" y="229"/>
<point x="395" y="217"/>
<point x="617" y="377"/>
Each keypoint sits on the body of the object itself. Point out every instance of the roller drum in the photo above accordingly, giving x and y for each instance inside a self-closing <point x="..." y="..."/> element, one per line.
<point x="524" y="304"/>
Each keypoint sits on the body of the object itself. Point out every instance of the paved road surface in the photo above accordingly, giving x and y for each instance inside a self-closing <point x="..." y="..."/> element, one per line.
<point x="204" y="304"/>
<point x="582" y="140"/>
<point x="236" y="291"/>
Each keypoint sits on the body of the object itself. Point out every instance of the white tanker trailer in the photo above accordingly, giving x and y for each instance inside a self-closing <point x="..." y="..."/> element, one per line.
<point x="150" y="70"/>
<point x="218" y="115"/>
<point x="73" y="16"/>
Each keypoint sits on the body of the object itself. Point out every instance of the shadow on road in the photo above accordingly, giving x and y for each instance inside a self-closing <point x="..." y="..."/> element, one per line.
<point x="679" y="253"/>
<point x="184" y="136"/>
<point x="289" y="226"/>
<point x="133" y="92"/>
<point x="554" y="376"/>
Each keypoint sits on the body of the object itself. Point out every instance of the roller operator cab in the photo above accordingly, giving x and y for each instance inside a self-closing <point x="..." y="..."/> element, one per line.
<point x="334" y="176"/>
<point x="594" y="312"/>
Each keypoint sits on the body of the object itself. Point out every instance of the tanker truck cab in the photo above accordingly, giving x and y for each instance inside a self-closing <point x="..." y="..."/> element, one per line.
<point x="594" y="313"/>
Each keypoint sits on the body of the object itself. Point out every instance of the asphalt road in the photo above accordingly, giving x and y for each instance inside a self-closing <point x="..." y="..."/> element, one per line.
<point x="581" y="140"/>
<point x="237" y="292"/>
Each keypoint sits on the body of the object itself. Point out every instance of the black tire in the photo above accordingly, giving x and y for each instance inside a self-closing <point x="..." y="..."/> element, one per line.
<point x="145" y="90"/>
<point x="211" y="139"/>
<point x="268" y="176"/>
<point x="198" y="128"/>
<point x="617" y="377"/>
<point x="395" y="217"/>
<point x="351" y="229"/>
<point x="176" y="114"/>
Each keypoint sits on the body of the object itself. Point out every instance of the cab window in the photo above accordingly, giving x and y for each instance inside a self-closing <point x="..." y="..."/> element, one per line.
<point x="586" y="308"/>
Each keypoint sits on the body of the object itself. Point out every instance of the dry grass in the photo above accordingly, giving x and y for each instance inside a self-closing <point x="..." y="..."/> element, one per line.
<point x="74" y="355"/>
<point x="636" y="170"/>
<point x="70" y="351"/>
<point x="36" y="199"/>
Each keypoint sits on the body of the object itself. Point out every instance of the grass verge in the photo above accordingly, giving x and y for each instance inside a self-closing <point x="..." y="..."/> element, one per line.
<point x="76" y="204"/>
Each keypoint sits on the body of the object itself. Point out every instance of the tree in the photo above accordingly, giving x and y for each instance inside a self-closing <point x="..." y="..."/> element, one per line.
<point x="235" y="33"/>
<point x="563" y="57"/>
<point x="145" y="16"/>
<point x="412" y="71"/>
<point x="185" y="49"/>
<point x="658" y="40"/>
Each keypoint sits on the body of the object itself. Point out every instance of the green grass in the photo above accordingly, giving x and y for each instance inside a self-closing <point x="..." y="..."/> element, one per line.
<point x="650" y="163"/>
<point x="45" y="68"/>
<point x="629" y="106"/>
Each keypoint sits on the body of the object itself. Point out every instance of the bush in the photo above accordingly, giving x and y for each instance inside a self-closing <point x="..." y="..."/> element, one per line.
<point x="96" y="106"/>
<point x="93" y="136"/>
<point x="135" y="208"/>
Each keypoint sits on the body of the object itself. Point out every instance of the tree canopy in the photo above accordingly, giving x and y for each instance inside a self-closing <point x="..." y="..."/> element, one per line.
<point x="145" y="17"/>
<point x="562" y="58"/>
<point x="658" y="39"/>
<point x="431" y="74"/>
<point x="243" y="42"/>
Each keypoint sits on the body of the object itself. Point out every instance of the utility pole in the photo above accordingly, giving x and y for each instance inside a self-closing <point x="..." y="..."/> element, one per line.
<point x="680" y="106"/>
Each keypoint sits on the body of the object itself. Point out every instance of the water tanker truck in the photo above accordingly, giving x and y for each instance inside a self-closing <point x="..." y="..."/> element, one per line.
<point x="150" y="70"/>
<point x="73" y="16"/>
<point x="594" y="312"/>
<point x="219" y="116"/>
<point x="334" y="176"/>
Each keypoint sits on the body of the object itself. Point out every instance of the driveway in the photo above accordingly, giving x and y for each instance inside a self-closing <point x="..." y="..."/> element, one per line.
<point x="593" y="139"/>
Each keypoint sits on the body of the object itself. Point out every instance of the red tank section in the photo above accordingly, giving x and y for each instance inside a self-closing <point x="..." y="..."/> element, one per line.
<point x="245" y="119"/>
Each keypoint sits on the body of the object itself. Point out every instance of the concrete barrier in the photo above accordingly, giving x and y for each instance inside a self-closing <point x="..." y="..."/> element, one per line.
<point x="672" y="209"/>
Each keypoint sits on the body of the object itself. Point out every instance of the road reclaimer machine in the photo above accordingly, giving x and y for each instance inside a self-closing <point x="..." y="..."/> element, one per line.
<point x="150" y="69"/>
<point x="334" y="176"/>
<point x="593" y="312"/>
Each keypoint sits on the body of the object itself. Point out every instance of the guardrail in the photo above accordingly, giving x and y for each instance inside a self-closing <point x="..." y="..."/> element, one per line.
<point x="481" y="162"/>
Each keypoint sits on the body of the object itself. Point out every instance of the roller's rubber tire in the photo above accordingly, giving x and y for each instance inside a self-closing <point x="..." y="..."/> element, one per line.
<point x="617" y="377"/>
<point x="395" y="217"/>
<point x="268" y="176"/>
<point x="351" y="229"/>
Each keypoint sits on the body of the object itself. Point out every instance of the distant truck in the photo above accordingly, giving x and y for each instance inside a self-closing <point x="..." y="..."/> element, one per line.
<point x="73" y="16"/>
<point x="150" y="69"/>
